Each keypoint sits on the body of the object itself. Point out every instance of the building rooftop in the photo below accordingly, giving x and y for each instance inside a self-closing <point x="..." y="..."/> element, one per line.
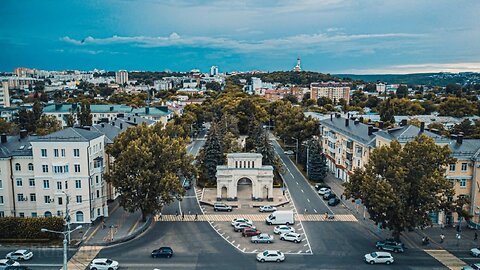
<point x="70" y="134"/>
<point x="107" y="108"/>
<point x="358" y="132"/>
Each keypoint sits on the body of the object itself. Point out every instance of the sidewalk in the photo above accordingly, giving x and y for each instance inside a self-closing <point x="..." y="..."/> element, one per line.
<point x="118" y="224"/>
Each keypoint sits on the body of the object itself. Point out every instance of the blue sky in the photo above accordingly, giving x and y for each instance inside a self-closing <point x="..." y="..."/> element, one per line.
<point x="336" y="36"/>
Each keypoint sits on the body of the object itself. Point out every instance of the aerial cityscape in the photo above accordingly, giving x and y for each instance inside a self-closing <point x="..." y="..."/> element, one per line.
<point x="193" y="134"/>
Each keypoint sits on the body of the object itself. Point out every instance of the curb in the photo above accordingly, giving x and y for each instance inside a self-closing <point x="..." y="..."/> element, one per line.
<point x="126" y="238"/>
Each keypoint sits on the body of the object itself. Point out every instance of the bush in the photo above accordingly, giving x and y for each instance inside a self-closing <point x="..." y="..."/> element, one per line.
<point x="30" y="227"/>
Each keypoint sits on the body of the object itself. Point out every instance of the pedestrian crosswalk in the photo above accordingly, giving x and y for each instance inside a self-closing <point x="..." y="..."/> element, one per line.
<point x="446" y="258"/>
<point x="252" y="217"/>
<point x="83" y="257"/>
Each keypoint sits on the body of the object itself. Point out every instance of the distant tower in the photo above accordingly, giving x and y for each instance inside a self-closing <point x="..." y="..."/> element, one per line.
<point x="297" y="68"/>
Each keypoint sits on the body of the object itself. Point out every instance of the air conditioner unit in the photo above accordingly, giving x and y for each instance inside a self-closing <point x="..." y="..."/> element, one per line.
<point x="477" y="212"/>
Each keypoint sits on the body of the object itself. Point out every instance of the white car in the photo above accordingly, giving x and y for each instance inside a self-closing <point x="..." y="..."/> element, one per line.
<point x="283" y="229"/>
<point x="291" y="236"/>
<point x="103" y="264"/>
<point x="20" y="255"/>
<point x="475" y="252"/>
<point x="324" y="191"/>
<point x="267" y="208"/>
<point x="262" y="238"/>
<point x="8" y="262"/>
<point x="240" y="226"/>
<point x="241" y="220"/>
<point x="271" y="256"/>
<point x="289" y="152"/>
<point x="378" y="257"/>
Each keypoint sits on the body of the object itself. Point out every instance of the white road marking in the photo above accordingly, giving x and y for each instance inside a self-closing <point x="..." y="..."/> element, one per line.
<point x="233" y="241"/>
<point x="305" y="245"/>
<point x="228" y="236"/>
<point x="238" y="245"/>
<point x="254" y="250"/>
<point x="315" y="210"/>
<point x="308" y="251"/>
<point x="308" y="199"/>
<point x="299" y="252"/>
<point x="180" y="207"/>
<point x="302" y="190"/>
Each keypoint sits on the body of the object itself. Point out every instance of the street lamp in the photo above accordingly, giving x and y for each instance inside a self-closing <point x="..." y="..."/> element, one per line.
<point x="65" y="241"/>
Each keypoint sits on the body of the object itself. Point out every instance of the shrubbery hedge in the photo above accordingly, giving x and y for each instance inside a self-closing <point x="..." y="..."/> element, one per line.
<point x="29" y="227"/>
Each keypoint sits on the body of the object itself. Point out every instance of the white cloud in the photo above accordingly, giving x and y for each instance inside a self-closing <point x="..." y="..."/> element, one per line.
<point x="420" y="68"/>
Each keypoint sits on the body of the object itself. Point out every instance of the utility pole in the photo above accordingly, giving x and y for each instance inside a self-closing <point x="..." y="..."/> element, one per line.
<point x="65" y="243"/>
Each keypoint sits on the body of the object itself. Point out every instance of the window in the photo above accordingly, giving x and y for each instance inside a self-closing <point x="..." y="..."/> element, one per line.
<point x="47" y="199"/>
<point x="59" y="185"/>
<point x="46" y="184"/>
<point x="79" y="198"/>
<point x="77" y="167"/>
<point x="60" y="200"/>
<point x="20" y="197"/>
<point x="30" y="166"/>
<point x="45" y="168"/>
<point x="66" y="184"/>
<point x="33" y="197"/>
<point x="79" y="216"/>
<point x="1" y="199"/>
<point x="44" y="152"/>
<point x="34" y="214"/>
<point x="31" y="182"/>
<point x="76" y="152"/>
<point x="96" y="179"/>
<point x="55" y="152"/>
<point x="452" y="167"/>
<point x="236" y="164"/>
<point x="1" y="184"/>
<point x="463" y="183"/>
<point x="59" y="213"/>
<point x="48" y="214"/>
<point x="98" y="212"/>
<point x="22" y="214"/>
<point x="60" y="169"/>
<point x="63" y="152"/>
<point x="19" y="182"/>
<point x="18" y="167"/>
<point x="98" y="193"/>
<point x="2" y="214"/>
<point x="464" y="167"/>
<point x="78" y="183"/>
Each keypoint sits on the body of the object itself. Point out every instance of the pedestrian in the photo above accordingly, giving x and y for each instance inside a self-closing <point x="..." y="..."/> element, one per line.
<point x="442" y="237"/>
<point x="189" y="212"/>
<point x="183" y="216"/>
<point x="305" y="210"/>
<point x="326" y="215"/>
<point x="176" y="213"/>
<point x="196" y="216"/>
<point x="475" y="237"/>
<point x="103" y="224"/>
<point x="161" y="218"/>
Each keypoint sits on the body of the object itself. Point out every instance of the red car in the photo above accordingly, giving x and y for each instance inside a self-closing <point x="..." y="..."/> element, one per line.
<point x="250" y="232"/>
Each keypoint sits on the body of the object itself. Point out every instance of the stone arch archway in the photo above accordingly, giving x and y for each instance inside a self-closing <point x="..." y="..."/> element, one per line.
<point x="224" y="193"/>
<point x="245" y="187"/>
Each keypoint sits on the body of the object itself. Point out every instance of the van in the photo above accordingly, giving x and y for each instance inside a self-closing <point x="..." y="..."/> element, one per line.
<point x="280" y="217"/>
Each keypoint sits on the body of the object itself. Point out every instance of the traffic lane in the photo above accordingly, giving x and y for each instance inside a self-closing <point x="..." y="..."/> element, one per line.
<point x="43" y="258"/>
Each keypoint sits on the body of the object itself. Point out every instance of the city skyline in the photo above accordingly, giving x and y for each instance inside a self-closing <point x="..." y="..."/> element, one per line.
<point x="333" y="36"/>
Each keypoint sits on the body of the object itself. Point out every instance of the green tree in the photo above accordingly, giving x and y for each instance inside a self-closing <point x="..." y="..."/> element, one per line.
<point x="211" y="155"/>
<point x="401" y="186"/>
<point x="402" y="91"/>
<point x="6" y="127"/>
<point x="84" y="116"/>
<point x="265" y="148"/>
<point x="456" y="107"/>
<point x="469" y="129"/>
<point x="322" y="101"/>
<point x="453" y="89"/>
<point x="215" y="86"/>
<point x="26" y="120"/>
<point x="148" y="168"/>
<point x="317" y="162"/>
<point x="70" y="118"/>
<point x="292" y="98"/>
<point x="48" y="124"/>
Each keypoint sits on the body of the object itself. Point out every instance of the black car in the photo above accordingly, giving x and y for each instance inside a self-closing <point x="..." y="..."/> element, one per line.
<point x="390" y="245"/>
<point x="329" y="196"/>
<point x="333" y="201"/>
<point x="318" y="186"/>
<point x="165" y="252"/>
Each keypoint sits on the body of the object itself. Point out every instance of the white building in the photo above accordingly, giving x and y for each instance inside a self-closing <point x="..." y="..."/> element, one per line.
<point x="189" y="83"/>
<point x="257" y="86"/>
<point x="332" y="90"/>
<point x="121" y="77"/>
<point x="213" y="71"/>
<point x="381" y="87"/>
<point x="4" y="95"/>
<point x="162" y="85"/>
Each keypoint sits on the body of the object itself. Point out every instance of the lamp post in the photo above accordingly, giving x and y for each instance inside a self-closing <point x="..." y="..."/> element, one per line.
<point x="65" y="242"/>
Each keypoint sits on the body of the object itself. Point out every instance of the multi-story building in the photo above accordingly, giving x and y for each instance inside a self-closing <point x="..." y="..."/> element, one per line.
<point x="39" y="175"/>
<point x="121" y="77"/>
<point x="4" y="95"/>
<point x="213" y="71"/>
<point x="332" y="90"/>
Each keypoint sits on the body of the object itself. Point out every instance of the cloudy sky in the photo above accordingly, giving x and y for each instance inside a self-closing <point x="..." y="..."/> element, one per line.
<point x="336" y="36"/>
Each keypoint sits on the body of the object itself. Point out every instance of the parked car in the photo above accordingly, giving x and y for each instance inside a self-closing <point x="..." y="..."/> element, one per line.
<point x="8" y="262"/>
<point x="267" y="208"/>
<point x="240" y="226"/>
<point x="475" y="252"/>
<point x="291" y="236"/>
<point x="473" y="266"/>
<point x="289" y="152"/>
<point x="20" y="255"/>
<point x="379" y="257"/>
<point x="318" y="186"/>
<point x="222" y="207"/>
<point x="333" y="201"/>
<point x="328" y="196"/>
<point x="262" y="238"/>
<point x="163" y="252"/>
<point x="324" y="190"/>
<point x="103" y="264"/>
<point x="187" y="184"/>
<point x="241" y="220"/>
<point x="283" y="229"/>
<point x="270" y="256"/>
<point x="250" y="232"/>
<point x="391" y="245"/>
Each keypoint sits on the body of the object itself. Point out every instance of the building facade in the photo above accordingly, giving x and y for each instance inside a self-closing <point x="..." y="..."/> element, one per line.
<point x="121" y="77"/>
<point x="4" y="95"/>
<point x="332" y="90"/>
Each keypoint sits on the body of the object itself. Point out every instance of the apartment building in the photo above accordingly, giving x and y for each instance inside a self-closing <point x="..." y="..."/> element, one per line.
<point x="38" y="173"/>
<point x="332" y="90"/>
<point x="121" y="77"/>
<point x="4" y="94"/>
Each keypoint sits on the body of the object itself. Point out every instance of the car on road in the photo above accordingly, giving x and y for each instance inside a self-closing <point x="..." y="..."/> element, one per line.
<point x="187" y="184"/>
<point x="328" y="196"/>
<point x="241" y="220"/>
<point x="250" y="232"/>
<point x="262" y="238"/>
<point x="267" y="208"/>
<point x="390" y="245"/>
<point x="291" y="236"/>
<point x="163" y="252"/>
<point x="289" y="152"/>
<point x="240" y="226"/>
<point x="104" y="264"/>
<point x="271" y="256"/>
<point x="318" y="186"/>
<point x="20" y="255"/>
<point x="8" y="262"/>
<point x="324" y="191"/>
<point x="283" y="229"/>
<point x="475" y="252"/>
<point x="222" y="207"/>
<point x="378" y="257"/>
<point x="473" y="266"/>
<point x="333" y="201"/>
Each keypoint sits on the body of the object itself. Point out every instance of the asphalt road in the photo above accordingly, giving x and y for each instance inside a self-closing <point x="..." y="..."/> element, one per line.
<point x="43" y="258"/>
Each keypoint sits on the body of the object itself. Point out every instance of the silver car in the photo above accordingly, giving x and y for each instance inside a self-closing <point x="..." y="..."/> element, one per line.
<point x="262" y="238"/>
